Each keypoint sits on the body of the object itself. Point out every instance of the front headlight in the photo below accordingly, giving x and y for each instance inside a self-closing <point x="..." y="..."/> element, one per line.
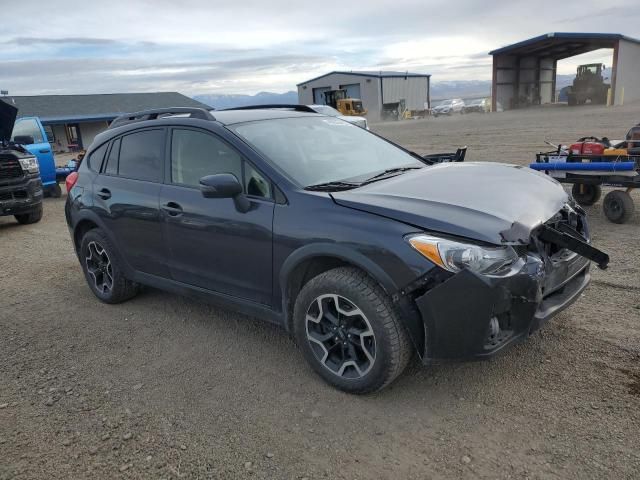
<point x="29" y="164"/>
<point x="456" y="256"/>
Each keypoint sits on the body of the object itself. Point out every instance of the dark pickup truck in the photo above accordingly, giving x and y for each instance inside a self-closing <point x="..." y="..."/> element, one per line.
<point x="20" y="184"/>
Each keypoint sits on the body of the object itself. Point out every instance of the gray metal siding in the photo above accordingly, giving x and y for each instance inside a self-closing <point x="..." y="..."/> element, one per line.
<point x="318" y="95"/>
<point x="505" y="80"/>
<point x="414" y="90"/>
<point x="353" y="90"/>
<point x="369" y="91"/>
<point x="628" y="72"/>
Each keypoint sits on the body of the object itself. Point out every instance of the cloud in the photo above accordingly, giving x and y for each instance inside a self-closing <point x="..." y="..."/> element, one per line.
<point x="28" y="41"/>
<point x="244" y="46"/>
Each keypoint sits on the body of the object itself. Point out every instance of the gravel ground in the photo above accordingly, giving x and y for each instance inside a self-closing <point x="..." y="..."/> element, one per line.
<point x="164" y="387"/>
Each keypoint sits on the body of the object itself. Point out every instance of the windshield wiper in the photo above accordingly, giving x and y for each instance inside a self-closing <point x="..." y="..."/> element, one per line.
<point x="388" y="172"/>
<point x="332" y="186"/>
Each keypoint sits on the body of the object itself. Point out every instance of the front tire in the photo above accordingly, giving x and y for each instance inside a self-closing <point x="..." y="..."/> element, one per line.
<point x="349" y="331"/>
<point x="55" y="191"/>
<point x="32" y="217"/>
<point x="103" y="269"/>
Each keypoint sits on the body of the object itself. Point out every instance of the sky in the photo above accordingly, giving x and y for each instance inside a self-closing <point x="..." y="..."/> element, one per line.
<point x="248" y="46"/>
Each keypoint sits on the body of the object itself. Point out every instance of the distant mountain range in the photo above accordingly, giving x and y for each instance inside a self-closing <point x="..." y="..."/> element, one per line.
<point x="465" y="89"/>
<point x="220" y="102"/>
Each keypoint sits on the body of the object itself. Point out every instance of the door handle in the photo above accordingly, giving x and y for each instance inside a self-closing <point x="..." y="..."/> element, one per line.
<point x="172" y="208"/>
<point x="104" y="194"/>
<point x="45" y="150"/>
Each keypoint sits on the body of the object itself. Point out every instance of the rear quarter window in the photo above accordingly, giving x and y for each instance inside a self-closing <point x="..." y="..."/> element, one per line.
<point x="94" y="161"/>
<point x="111" y="164"/>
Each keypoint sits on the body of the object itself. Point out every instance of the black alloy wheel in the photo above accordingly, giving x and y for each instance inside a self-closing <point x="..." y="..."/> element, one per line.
<point x="99" y="267"/>
<point x="340" y="336"/>
<point x="103" y="268"/>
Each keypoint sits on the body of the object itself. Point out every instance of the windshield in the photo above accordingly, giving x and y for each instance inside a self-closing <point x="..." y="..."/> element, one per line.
<point x="326" y="110"/>
<point x="314" y="150"/>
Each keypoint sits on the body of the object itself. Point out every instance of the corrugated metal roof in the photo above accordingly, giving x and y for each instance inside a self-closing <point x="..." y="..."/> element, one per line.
<point x="365" y="73"/>
<point x="584" y="42"/>
<point x="79" y="108"/>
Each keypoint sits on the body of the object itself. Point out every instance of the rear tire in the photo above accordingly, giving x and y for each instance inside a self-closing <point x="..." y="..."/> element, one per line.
<point x="618" y="206"/>
<point x="55" y="191"/>
<point x="349" y="331"/>
<point x="103" y="270"/>
<point x="32" y="217"/>
<point x="585" y="194"/>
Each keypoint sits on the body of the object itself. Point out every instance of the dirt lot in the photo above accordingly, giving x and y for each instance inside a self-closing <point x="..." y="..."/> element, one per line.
<point x="164" y="387"/>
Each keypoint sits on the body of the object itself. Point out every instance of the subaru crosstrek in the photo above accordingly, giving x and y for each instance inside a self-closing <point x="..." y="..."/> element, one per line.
<point x="364" y="251"/>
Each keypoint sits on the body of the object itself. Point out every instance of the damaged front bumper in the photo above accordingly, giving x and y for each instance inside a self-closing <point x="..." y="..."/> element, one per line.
<point x="471" y="316"/>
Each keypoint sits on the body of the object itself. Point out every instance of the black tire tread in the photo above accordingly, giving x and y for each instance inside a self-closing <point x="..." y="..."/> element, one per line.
<point x="55" y="191"/>
<point x="32" y="217"/>
<point x="401" y="348"/>
<point x="627" y="205"/>
<point x="584" y="199"/>
<point x="123" y="288"/>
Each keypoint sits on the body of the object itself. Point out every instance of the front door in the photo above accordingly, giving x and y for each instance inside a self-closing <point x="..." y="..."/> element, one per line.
<point x="211" y="244"/>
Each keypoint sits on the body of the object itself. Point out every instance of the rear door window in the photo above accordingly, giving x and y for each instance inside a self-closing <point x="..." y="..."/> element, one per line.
<point x="141" y="155"/>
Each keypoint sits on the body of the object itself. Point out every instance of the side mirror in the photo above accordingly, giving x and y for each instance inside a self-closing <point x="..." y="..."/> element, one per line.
<point x="24" y="140"/>
<point x="225" y="185"/>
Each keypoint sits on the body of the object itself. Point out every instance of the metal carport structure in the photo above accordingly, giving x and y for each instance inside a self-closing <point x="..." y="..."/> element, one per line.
<point x="525" y="72"/>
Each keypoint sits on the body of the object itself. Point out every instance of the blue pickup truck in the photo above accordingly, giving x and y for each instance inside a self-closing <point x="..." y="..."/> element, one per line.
<point x="29" y="132"/>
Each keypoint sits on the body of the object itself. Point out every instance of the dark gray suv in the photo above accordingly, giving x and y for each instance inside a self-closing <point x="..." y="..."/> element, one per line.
<point x="366" y="252"/>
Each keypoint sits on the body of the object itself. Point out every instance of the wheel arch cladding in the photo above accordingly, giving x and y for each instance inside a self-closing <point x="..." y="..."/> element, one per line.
<point x="81" y="230"/>
<point x="312" y="260"/>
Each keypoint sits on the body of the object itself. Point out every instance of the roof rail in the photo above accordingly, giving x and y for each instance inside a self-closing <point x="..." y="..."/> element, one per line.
<point x="270" y="106"/>
<point x="154" y="114"/>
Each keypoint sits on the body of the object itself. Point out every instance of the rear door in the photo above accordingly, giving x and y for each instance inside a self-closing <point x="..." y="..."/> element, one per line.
<point x="31" y="127"/>
<point x="126" y="197"/>
<point x="210" y="243"/>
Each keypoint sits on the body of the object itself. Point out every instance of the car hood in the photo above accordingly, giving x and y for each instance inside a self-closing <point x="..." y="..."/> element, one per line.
<point x="8" y="115"/>
<point x="351" y="118"/>
<point x="360" y="121"/>
<point x="489" y="202"/>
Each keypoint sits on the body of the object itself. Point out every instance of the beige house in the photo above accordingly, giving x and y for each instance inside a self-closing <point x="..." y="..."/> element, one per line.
<point x="73" y="121"/>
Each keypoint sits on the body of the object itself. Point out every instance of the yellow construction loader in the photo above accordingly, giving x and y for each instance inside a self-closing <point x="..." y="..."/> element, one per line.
<point x="346" y="106"/>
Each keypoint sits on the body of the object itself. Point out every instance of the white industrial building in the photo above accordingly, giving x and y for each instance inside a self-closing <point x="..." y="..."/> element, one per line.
<point x="525" y="72"/>
<point x="374" y="89"/>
